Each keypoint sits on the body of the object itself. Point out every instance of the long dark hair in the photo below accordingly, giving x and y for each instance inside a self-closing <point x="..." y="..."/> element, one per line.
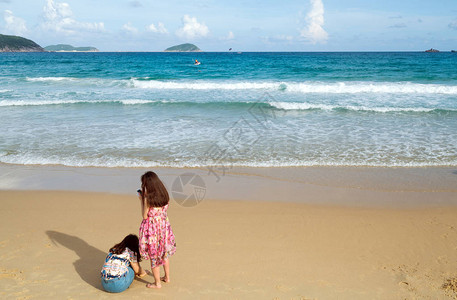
<point x="131" y="241"/>
<point x="153" y="190"/>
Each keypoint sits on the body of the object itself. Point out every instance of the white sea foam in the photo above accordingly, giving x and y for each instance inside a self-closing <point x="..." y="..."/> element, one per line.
<point x="36" y="102"/>
<point x="171" y="85"/>
<point x="300" y="106"/>
<point x="43" y="79"/>
<point x="26" y="159"/>
<point x="60" y="102"/>
<point x="116" y="162"/>
<point x="372" y="87"/>
<point x="101" y="82"/>
<point x="294" y="87"/>
<point x="278" y="105"/>
<point x="305" y="87"/>
<point x="134" y="101"/>
<point x="309" y="106"/>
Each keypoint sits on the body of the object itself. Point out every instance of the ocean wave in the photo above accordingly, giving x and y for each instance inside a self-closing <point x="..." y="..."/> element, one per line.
<point x="125" y="162"/>
<point x="195" y="85"/>
<point x="44" y="79"/>
<point x="285" y="106"/>
<point x="66" y="102"/>
<point x="309" y="106"/>
<point x="85" y="81"/>
<point x="306" y="87"/>
<point x="372" y="88"/>
<point x="309" y="87"/>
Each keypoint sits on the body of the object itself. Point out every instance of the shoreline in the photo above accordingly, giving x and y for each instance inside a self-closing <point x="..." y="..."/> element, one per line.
<point x="350" y="186"/>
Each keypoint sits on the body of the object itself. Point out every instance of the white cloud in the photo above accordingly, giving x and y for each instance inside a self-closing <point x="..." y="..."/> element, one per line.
<point x="313" y="31"/>
<point x="58" y="17"/>
<point x="288" y="38"/>
<point x="191" y="28"/>
<point x="129" y="28"/>
<point x="160" y="28"/>
<point x="14" y="25"/>
<point x="230" y="36"/>
<point x="453" y="24"/>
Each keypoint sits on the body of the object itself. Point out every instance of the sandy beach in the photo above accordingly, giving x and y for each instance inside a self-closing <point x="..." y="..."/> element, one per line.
<point x="326" y="247"/>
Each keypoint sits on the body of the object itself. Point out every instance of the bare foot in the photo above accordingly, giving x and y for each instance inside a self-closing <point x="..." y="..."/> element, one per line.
<point x="153" y="285"/>
<point x="142" y="274"/>
<point x="165" y="279"/>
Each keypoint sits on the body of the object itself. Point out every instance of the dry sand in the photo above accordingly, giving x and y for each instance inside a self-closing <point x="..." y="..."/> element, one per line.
<point x="53" y="244"/>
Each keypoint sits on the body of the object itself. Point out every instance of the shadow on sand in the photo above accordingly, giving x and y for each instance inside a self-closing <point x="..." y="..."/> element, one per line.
<point x="90" y="260"/>
<point x="454" y="172"/>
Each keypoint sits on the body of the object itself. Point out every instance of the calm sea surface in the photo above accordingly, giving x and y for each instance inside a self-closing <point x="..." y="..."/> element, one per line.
<point x="247" y="109"/>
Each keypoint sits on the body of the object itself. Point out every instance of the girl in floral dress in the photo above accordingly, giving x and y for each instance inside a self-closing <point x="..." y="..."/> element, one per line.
<point x="157" y="241"/>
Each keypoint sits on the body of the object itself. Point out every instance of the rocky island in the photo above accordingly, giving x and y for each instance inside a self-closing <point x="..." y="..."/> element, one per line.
<point x="13" y="43"/>
<point x="183" y="48"/>
<point x="69" y="48"/>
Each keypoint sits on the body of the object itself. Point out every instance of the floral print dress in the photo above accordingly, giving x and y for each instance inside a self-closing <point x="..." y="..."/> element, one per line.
<point x="157" y="241"/>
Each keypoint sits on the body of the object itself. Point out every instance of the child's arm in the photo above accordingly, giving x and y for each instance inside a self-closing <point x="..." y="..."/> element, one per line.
<point x="137" y="269"/>
<point x="142" y="202"/>
<point x="144" y="208"/>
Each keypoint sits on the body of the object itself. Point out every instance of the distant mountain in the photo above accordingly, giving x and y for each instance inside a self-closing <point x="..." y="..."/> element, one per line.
<point x="183" y="48"/>
<point x="69" y="48"/>
<point x="13" y="43"/>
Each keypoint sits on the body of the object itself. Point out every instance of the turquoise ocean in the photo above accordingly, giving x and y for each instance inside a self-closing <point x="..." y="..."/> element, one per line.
<point x="235" y="109"/>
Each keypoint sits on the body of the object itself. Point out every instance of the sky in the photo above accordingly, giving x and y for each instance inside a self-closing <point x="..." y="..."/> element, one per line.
<point x="244" y="25"/>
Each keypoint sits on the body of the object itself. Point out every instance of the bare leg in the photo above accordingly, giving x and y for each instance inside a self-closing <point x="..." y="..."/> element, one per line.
<point x="166" y="269"/>
<point x="156" y="274"/>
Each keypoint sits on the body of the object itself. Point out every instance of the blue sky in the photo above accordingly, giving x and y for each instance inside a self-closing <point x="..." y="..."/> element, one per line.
<point x="244" y="25"/>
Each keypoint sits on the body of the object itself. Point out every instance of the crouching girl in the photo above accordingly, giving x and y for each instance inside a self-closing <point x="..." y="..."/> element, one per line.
<point x="121" y="265"/>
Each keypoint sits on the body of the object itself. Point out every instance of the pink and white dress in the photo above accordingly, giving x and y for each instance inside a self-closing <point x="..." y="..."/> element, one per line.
<point x="157" y="241"/>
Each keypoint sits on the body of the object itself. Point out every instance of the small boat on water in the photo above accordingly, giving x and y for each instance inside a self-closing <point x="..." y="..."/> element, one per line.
<point x="432" y="50"/>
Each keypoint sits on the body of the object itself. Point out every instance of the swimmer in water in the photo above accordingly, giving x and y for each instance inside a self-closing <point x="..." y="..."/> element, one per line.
<point x="196" y="62"/>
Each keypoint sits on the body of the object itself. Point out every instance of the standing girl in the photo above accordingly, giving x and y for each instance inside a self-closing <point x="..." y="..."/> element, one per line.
<point x="157" y="241"/>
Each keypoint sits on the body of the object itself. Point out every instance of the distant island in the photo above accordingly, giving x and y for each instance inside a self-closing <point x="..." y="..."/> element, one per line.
<point x="69" y="48"/>
<point x="183" y="48"/>
<point x="13" y="43"/>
